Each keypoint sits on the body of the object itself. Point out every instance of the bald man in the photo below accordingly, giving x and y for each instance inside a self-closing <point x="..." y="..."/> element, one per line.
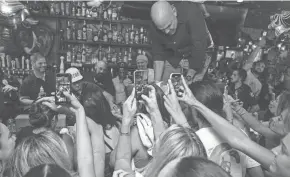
<point x="178" y="32"/>
<point x="103" y="77"/>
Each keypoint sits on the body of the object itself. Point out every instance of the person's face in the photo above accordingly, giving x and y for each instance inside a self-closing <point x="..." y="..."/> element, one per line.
<point x="235" y="77"/>
<point x="282" y="161"/>
<point x="7" y="141"/>
<point x="169" y="24"/>
<point x="260" y="67"/>
<point x="168" y="169"/>
<point x="76" y="86"/>
<point x="100" y="68"/>
<point x="274" y="105"/>
<point x="141" y="65"/>
<point x="40" y="65"/>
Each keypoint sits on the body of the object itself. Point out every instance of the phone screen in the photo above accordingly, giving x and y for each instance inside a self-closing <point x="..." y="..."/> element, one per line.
<point x="63" y="83"/>
<point x="177" y="83"/>
<point x="141" y="82"/>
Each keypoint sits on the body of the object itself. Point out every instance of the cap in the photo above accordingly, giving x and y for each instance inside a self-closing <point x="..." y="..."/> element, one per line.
<point x="75" y="74"/>
<point x="141" y="58"/>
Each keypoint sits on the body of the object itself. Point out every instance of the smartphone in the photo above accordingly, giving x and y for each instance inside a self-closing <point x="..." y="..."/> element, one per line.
<point x="234" y="54"/>
<point x="63" y="83"/>
<point x="141" y="83"/>
<point x="177" y="83"/>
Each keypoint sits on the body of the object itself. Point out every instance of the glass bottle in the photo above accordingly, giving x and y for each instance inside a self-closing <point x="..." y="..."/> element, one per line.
<point x="132" y="35"/>
<point x="110" y="33"/>
<point x="130" y="57"/>
<point x="73" y="31"/>
<point x="84" y="9"/>
<point x="79" y="9"/>
<point x="84" y="54"/>
<point x="84" y="31"/>
<point x="127" y="37"/>
<point x="79" y="55"/>
<point x="52" y="9"/>
<point x="105" y="36"/>
<point x="80" y="34"/>
<point x="115" y="35"/>
<point x="68" y="30"/>
<point x="73" y="10"/>
<point x="68" y="54"/>
<point x="73" y="60"/>
<point x="136" y="39"/>
<point x="67" y="8"/>
<point x="61" y="39"/>
<point x="109" y="11"/>
<point x="141" y="35"/>
<point x="114" y="13"/>
<point x="57" y="8"/>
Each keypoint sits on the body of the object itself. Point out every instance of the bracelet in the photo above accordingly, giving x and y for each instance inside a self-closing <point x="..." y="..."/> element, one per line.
<point x="125" y="134"/>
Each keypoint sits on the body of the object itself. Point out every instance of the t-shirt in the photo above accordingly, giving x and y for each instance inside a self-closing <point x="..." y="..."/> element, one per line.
<point x="220" y="152"/>
<point x="253" y="83"/>
<point x="31" y="85"/>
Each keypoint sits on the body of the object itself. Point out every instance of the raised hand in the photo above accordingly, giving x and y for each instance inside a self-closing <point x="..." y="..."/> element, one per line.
<point x="171" y="101"/>
<point x="74" y="102"/>
<point x="150" y="100"/>
<point x="129" y="108"/>
<point x="187" y="95"/>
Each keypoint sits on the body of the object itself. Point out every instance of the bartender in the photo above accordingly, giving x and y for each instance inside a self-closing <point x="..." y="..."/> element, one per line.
<point x="178" y="34"/>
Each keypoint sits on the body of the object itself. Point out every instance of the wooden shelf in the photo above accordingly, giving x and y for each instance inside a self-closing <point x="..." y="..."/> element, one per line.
<point x="133" y="21"/>
<point x="110" y="65"/>
<point x="107" y="44"/>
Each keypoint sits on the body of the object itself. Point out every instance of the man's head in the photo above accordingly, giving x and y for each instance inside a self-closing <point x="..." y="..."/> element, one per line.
<point x="164" y="17"/>
<point x="238" y="75"/>
<point x="100" y="67"/>
<point x="76" y="78"/>
<point x="142" y="62"/>
<point x="260" y="66"/>
<point x="38" y="62"/>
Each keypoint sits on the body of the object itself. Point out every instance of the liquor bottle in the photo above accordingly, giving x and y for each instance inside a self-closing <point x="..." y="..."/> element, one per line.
<point x="141" y="35"/>
<point x="13" y="63"/>
<point x="130" y="57"/>
<point x="68" y="54"/>
<point x="17" y="63"/>
<point x="67" y="8"/>
<point x="105" y="36"/>
<point x="100" y="11"/>
<point x="41" y="92"/>
<point x="84" y="31"/>
<point x="84" y="9"/>
<point x="125" y="58"/>
<point x="105" y="15"/>
<point x="73" y="59"/>
<point x="136" y="39"/>
<point x="79" y="9"/>
<point x="73" y="10"/>
<point x="57" y="8"/>
<point x="62" y="8"/>
<point x="68" y="30"/>
<point x="73" y="31"/>
<point x="110" y="33"/>
<point x="132" y="35"/>
<point x="109" y="12"/>
<point x="95" y="13"/>
<point x="89" y="34"/>
<point x="114" y="13"/>
<point x="79" y="55"/>
<point x="8" y="60"/>
<point x="80" y="34"/>
<point x="61" y="66"/>
<point x="27" y="64"/>
<point x="115" y="35"/>
<point x="23" y="62"/>
<point x="84" y="54"/>
<point x="119" y="59"/>
<point x="127" y="37"/>
<point x="3" y="61"/>
<point x="61" y="39"/>
<point x="52" y="9"/>
<point x="109" y="54"/>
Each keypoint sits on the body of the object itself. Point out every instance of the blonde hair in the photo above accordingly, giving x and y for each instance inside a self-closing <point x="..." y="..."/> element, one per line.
<point x="284" y="105"/>
<point x="175" y="142"/>
<point x="45" y="147"/>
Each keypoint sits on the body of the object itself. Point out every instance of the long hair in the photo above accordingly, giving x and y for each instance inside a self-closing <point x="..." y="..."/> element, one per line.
<point x="196" y="167"/>
<point x="45" y="147"/>
<point x="40" y="115"/>
<point x="175" y="142"/>
<point x="98" y="109"/>
<point x="284" y="105"/>
<point x="47" y="170"/>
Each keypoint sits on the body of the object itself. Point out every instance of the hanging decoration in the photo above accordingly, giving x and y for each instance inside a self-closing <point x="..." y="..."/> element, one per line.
<point x="280" y="23"/>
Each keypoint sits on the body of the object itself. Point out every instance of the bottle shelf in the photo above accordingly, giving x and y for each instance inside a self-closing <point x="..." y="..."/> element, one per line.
<point x="107" y="44"/>
<point x="86" y="65"/>
<point x="133" y="21"/>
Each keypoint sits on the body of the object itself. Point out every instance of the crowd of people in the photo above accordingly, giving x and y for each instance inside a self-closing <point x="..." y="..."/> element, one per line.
<point x="204" y="128"/>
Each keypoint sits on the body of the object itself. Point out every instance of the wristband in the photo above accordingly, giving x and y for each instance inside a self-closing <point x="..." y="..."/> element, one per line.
<point x="125" y="134"/>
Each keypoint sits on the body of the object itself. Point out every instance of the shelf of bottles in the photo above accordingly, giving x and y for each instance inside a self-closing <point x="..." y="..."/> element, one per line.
<point x="14" y="66"/>
<point x="80" y="11"/>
